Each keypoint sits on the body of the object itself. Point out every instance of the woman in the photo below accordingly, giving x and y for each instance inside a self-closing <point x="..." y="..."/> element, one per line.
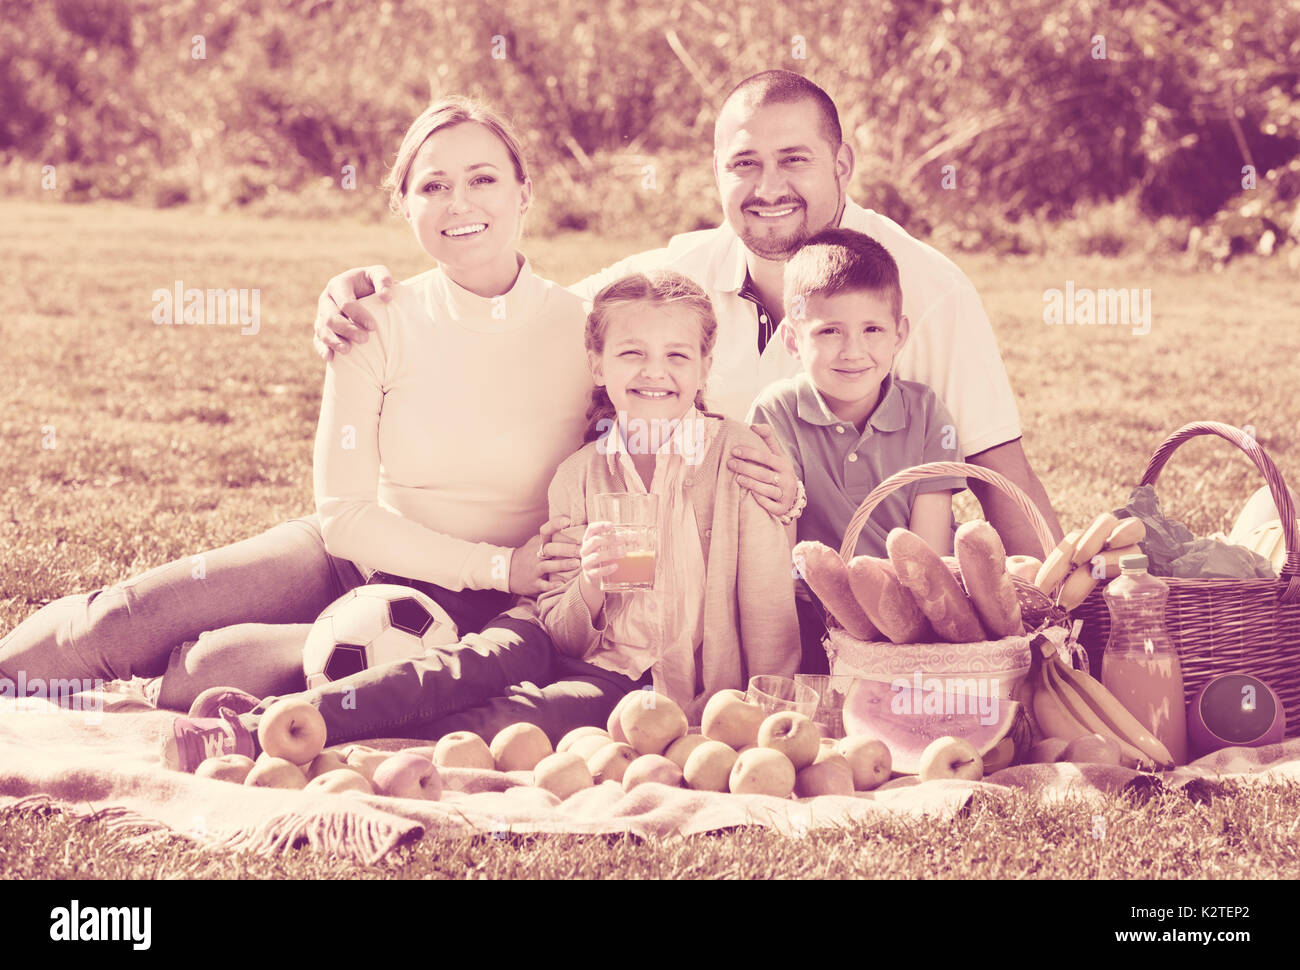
<point x="436" y="443"/>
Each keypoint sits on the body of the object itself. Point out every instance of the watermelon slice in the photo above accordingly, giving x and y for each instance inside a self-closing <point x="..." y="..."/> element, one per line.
<point x="907" y="719"/>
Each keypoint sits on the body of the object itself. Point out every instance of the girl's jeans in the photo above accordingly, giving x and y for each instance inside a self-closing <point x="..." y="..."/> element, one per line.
<point x="239" y="615"/>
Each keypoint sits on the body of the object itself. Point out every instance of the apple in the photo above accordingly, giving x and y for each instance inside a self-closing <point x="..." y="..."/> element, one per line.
<point x="651" y="768"/>
<point x="793" y="734"/>
<point x="653" y="723"/>
<point x="589" y="744"/>
<point x="225" y="767"/>
<point x="612" y="726"/>
<point x="366" y="760"/>
<point x="731" y="719"/>
<point x="826" y="747"/>
<point x="950" y="757"/>
<point x="762" y="771"/>
<point x="610" y="762"/>
<point x="869" y="760"/>
<point x="562" y="774"/>
<point x="408" y="775"/>
<point x="328" y="761"/>
<point x="272" y="772"/>
<point x="1000" y="756"/>
<point x="519" y="747"/>
<point x="680" y="750"/>
<point x="566" y="742"/>
<point x="292" y="729"/>
<point x="1047" y="751"/>
<point x="341" y="780"/>
<point x="708" y="768"/>
<point x="829" y="776"/>
<point x="1093" y="749"/>
<point x="463" y="749"/>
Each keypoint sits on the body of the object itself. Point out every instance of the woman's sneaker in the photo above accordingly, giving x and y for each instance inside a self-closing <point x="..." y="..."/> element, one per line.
<point x="195" y="739"/>
<point x="212" y="700"/>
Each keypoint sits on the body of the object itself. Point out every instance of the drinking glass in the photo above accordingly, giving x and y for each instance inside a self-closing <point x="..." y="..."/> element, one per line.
<point x="635" y="530"/>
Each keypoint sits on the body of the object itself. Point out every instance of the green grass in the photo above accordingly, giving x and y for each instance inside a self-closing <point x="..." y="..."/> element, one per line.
<point x="1246" y="834"/>
<point x="171" y="440"/>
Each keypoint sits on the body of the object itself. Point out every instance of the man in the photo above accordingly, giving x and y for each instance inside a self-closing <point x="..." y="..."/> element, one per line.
<point x="782" y="171"/>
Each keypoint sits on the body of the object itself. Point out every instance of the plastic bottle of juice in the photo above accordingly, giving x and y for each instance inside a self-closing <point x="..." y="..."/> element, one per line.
<point x="1140" y="665"/>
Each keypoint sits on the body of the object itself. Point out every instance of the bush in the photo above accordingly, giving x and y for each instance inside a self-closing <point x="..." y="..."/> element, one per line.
<point x="976" y="118"/>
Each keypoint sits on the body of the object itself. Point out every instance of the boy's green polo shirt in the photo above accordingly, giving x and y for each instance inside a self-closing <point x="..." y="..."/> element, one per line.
<point x="839" y="467"/>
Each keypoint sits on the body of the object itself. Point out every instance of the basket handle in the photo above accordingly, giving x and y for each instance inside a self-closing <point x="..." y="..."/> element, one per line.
<point x="945" y="469"/>
<point x="1276" y="486"/>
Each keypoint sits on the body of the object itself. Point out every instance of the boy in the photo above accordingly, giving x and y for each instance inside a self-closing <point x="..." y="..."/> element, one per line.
<point x="846" y="421"/>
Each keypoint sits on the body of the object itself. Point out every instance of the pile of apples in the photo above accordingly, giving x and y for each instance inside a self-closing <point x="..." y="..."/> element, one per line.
<point x="739" y="749"/>
<point x="646" y="739"/>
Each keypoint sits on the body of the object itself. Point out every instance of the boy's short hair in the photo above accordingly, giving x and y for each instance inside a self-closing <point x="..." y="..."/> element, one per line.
<point x="838" y="261"/>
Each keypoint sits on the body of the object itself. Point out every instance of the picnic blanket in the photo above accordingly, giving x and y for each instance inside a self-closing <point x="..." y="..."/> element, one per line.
<point x="106" y="766"/>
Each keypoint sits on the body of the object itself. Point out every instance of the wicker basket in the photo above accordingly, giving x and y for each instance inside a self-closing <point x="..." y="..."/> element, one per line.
<point x="1009" y="656"/>
<point x="1223" y="626"/>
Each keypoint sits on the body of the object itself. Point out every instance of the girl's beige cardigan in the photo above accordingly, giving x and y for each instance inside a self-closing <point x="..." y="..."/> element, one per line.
<point x="750" y="626"/>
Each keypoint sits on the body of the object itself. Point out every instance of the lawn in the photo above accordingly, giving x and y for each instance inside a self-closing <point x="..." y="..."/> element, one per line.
<point x="125" y="444"/>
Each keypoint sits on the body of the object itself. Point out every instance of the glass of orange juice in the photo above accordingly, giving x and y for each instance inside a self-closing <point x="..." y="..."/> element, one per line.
<point x="635" y="521"/>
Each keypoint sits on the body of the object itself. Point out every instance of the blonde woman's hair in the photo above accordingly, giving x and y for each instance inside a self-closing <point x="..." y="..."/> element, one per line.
<point x="662" y="288"/>
<point x="446" y="113"/>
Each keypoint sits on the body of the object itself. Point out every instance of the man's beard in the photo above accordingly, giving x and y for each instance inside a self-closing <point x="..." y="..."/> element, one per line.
<point x="775" y="248"/>
<point x="781" y="248"/>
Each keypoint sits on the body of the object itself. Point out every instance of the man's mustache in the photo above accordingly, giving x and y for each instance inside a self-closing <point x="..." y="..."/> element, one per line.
<point x="771" y="205"/>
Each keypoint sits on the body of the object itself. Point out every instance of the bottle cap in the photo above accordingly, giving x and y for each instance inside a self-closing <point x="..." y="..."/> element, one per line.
<point x="1132" y="562"/>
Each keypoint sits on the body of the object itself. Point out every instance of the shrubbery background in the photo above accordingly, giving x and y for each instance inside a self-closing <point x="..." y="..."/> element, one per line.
<point x="1141" y="149"/>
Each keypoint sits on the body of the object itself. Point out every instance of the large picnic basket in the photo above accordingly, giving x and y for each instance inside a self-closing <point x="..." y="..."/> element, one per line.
<point x="1223" y="626"/>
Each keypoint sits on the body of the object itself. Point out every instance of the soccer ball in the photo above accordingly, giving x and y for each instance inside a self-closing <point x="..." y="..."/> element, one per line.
<point x="373" y="625"/>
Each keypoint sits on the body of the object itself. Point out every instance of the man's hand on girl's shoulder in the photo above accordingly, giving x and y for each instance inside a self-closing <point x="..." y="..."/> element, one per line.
<point x="767" y="473"/>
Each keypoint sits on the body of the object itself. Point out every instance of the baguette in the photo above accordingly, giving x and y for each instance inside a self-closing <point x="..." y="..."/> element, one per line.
<point x="983" y="561"/>
<point x="828" y="577"/>
<point x="936" y="590"/>
<point x="887" y="603"/>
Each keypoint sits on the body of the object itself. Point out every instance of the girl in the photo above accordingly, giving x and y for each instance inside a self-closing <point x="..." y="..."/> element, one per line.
<point x="435" y="445"/>
<point x="722" y="607"/>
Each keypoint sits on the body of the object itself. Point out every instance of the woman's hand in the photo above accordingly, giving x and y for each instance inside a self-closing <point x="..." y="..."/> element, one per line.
<point x="541" y="563"/>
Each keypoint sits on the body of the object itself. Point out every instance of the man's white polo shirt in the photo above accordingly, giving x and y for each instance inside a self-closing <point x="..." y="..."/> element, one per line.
<point x="951" y="347"/>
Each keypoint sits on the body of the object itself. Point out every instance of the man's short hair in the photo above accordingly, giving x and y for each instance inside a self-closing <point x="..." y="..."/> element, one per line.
<point x="838" y="261"/>
<point x="783" y="87"/>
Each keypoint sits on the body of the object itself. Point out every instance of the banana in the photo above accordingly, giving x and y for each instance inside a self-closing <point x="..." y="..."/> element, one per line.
<point x="1086" y="715"/>
<point x="1116" y="715"/>
<point x="1054" y="721"/>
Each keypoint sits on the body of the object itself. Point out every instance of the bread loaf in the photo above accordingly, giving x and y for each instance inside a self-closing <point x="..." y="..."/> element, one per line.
<point x="887" y="603"/>
<point x="983" y="561"/>
<point x="932" y="584"/>
<point x="828" y="577"/>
